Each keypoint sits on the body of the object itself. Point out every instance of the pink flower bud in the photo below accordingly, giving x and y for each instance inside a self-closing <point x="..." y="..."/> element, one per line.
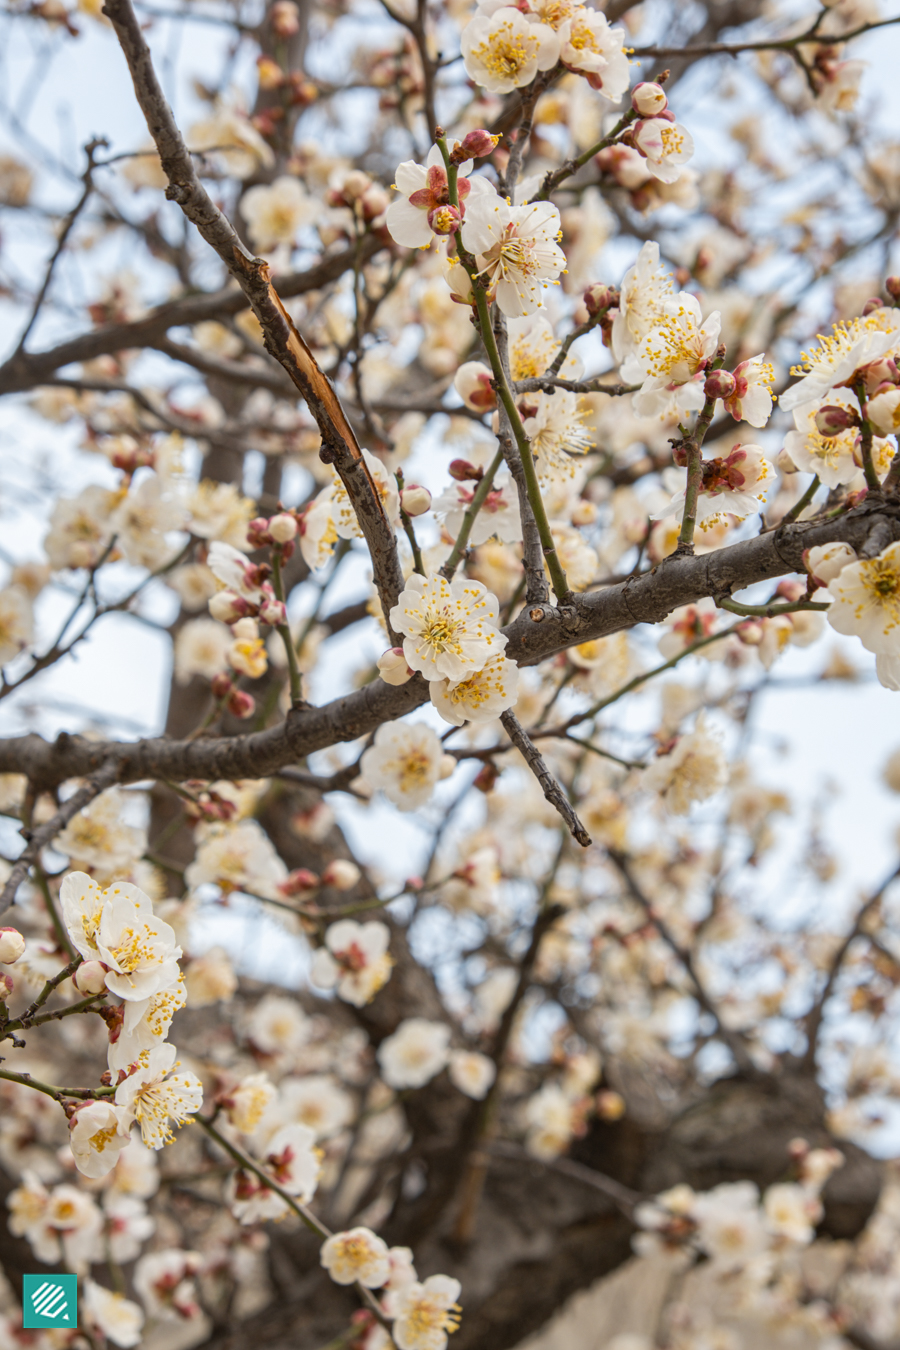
<point x="750" y="633"/>
<point x="6" y="987"/>
<point x="473" y="384"/>
<point x="445" y="219"/>
<point x="12" y="945"/>
<point x="90" y="977"/>
<point x="241" y="704"/>
<point x="222" y="686"/>
<point x="272" y="612"/>
<point x="599" y="298"/>
<point x="300" y="882"/>
<point x="892" y="286"/>
<point x="283" y="528"/>
<point x="478" y="144"/>
<point x="228" y="606"/>
<point x="648" y="99"/>
<point x="833" y="419"/>
<point x="464" y="472"/>
<point x="871" y="305"/>
<point x="790" y="591"/>
<point x="447" y="766"/>
<point x="258" y="532"/>
<point x="415" y="500"/>
<point x="342" y="874"/>
<point x="719" y="384"/>
<point x="392" y="666"/>
<point x="285" y="18"/>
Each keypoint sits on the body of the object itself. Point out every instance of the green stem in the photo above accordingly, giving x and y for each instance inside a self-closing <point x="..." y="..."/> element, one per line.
<point x="694" y="448"/>
<point x="59" y="929"/>
<point x="553" y="180"/>
<point x="57" y="1093"/>
<point x="800" y="506"/>
<point x="478" y="499"/>
<point x="770" y="611"/>
<point x="284" y="631"/>
<point x="865" y="431"/>
<point x="554" y="566"/>
<point x="406" y="521"/>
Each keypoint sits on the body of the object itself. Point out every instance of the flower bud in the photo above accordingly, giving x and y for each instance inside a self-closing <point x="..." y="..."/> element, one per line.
<point x="222" y="685"/>
<point x="583" y="512"/>
<point x="285" y="17"/>
<point x="719" y="384"/>
<point x="445" y="219"/>
<point x="892" y="286"/>
<point x="833" y="419"/>
<point x="464" y="472"/>
<point x="473" y="384"/>
<point x="447" y="766"/>
<point x="228" y="606"/>
<point x="241" y="704"/>
<point x="90" y="977"/>
<point x="342" y="874"/>
<point x="12" y="945"/>
<point x="826" y="561"/>
<point x="883" y="412"/>
<point x="599" y="298"/>
<point x="258" y="532"/>
<point x="792" y="591"/>
<point x="485" y="778"/>
<point x="272" y="612"/>
<point x="751" y="633"/>
<point x="871" y="305"/>
<point x="460" y="283"/>
<point x="392" y="666"/>
<point x="610" y="1105"/>
<point x="300" y="882"/>
<point x="283" y="527"/>
<point x="245" y="630"/>
<point x="648" y="99"/>
<point x="477" y="144"/>
<point x="415" y="500"/>
<point x="6" y="987"/>
<point x="269" y="73"/>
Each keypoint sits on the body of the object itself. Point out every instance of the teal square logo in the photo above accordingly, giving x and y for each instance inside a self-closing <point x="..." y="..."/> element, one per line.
<point x="49" y="1301"/>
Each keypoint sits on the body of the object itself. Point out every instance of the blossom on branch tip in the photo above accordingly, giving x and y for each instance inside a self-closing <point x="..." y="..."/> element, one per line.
<point x="424" y="190"/>
<point x="98" y="1131"/>
<point x="417" y="1051"/>
<point x="472" y="1073"/>
<point x="834" y="363"/>
<point x="154" y="1095"/>
<point x="735" y="484"/>
<point x="357" y="1255"/>
<point x="404" y="762"/>
<point x="294" y="1161"/>
<point x="866" y="602"/>
<point x="674" y="356"/>
<point x="666" y="146"/>
<point x="591" y="48"/>
<point x="481" y="697"/>
<point x="751" y="400"/>
<point x="425" y="1313"/>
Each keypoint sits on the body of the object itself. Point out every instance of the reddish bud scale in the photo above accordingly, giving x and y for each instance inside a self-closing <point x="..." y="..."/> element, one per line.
<point x="463" y="471"/>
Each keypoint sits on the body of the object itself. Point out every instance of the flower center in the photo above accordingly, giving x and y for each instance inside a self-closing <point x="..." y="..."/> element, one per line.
<point x="506" y="53"/>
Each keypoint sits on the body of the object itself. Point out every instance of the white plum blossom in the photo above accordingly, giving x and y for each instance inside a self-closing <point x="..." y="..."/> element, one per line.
<point x="695" y="769"/>
<point x="503" y="51"/>
<point x="730" y="1226"/>
<point x="201" y="648"/>
<point x="141" y="522"/>
<point x="480" y="697"/>
<point x="644" y="294"/>
<point x="827" y="561"/>
<point x="138" y="948"/>
<point x="98" y="1131"/>
<point x="752" y="399"/>
<point x="357" y="1255"/>
<point x="591" y="48"/>
<point x="498" y="517"/>
<point x="64" y="1224"/>
<point x="450" y="628"/>
<point x="425" y="1313"/>
<point x="236" y="856"/>
<point x="116" y="1317"/>
<point x="866" y="596"/>
<point x="164" y="1281"/>
<point x="145" y="1022"/>
<point x="275" y="212"/>
<point x="294" y="1161"/>
<point x="81" y="530"/>
<point x="423" y="208"/>
<point x="416" y="1051"/>
<point x="735" y="485"/>
<point x="472" y="1073"/>
<point x="851" y="344"/>
<point x="318" y="1101"/>
<point x="99" y="838"/>
<point x="247" y="1104"/>
<point x="833" y="458"/>
<point x="405" y="762"/>
<point x="551" y="1117"/>
<point x="344" y="516"/>
<point x="16" y="623"/>
<point x="792" y="1212"/>
<point x="557" y="432"/>
<point x="128" y="1225"/>
<point x="516" y="248"/>
<point x="674" y="356"/>
<point x="666" y="147"/>
<point x="354" y="960"/>
<point x="154" y="1095"/>
<point x="278" y="1025"/>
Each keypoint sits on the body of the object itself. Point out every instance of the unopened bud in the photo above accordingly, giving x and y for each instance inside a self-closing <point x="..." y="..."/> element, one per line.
<point x="827" y="561"/>
<point x="285" y="17"/>
<point x="222" y="686"/>
<point x="892" y="286"/>
<point x="871" y="305"/>
<point x="90" y="977"/>
<point x="269" y="73"/>
<point x="392" y="666"/>
<point x="792" y="591"/>
<point x="648" y="99"/>
<point x="415" y="500"/>
<point x="477" y="144"/>
<point x="228" y="606"/>
<point x="12" y="945"/>
<point x="720" y="384"/>
<point x="599" y="298"/>
<point x="583" y="512"/>
<point x="272" y="612"/>
<point x="6" y="987"/>
<point x="473" y="384"/>
<point x="610" y="1105"/>
<point x="833" y="419"/>
<point x="241" y="704"/>
<point x="750" y="633"/>
<point x="464" y="472"/>
<point x="342" y="874"/>
<point x="300" y="882"/>
<point x="258" y="532"/>
<point x="283" y="527"/>
<point x="485" y="778"/>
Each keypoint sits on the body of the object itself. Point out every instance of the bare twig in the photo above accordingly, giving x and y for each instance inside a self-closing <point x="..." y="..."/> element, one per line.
<point x="549" y="786"/>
